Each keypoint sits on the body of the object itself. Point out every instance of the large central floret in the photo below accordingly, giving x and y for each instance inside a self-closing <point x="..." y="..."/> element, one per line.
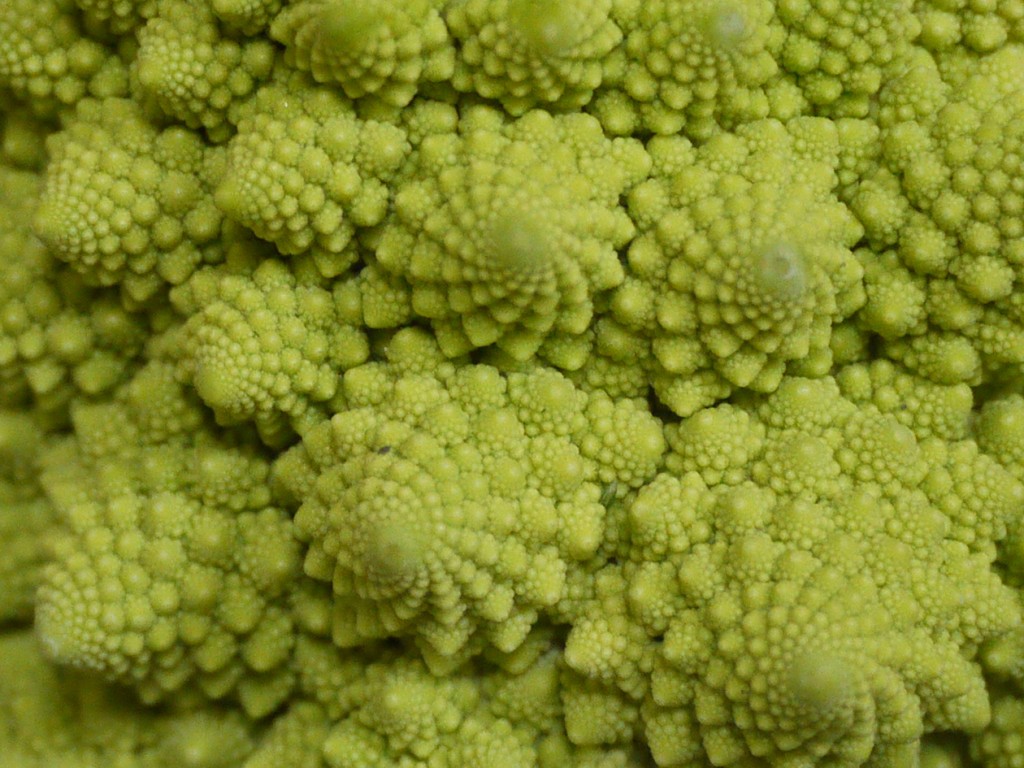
<point x="807" y="583"/>
<point x="172" y="569"/>
<point x="731" y="281"/>
<point x="303" y="171"/>
<point x="448" y="503"/>
<point x="511" y="228"/>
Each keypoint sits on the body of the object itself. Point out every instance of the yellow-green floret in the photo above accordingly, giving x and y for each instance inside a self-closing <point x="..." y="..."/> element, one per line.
<point x="303" y="171"/>
<point x="266" y="346"/>
<point x="731" y="281"/>
<point x="57" y="717"/>
<point x="194" y="73"/>
<point x="1001" y="744"/>
<point x="506" y="230"/>
<point x="977" y="25"/>
<point x="173" y="567"/>
<point x="944" y="214"/>
<point x="27" y="519"/>
<point x="48" y="62"/>
<point x="525" y="53"/>
<point x="154" y="188"/>
<point x="59" y="338"/>
<point x="689" y="65"/>
<point x="447" y="501"/>
<point x="511" y="383"/>
<point x="841" y="53"/>
<point x="809" y="591"/>
<point x="116" y="17"/>
<point x="383" y="48"/>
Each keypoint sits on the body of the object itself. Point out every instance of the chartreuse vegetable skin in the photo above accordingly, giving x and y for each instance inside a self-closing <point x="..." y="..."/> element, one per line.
<point x="472" y="383"/>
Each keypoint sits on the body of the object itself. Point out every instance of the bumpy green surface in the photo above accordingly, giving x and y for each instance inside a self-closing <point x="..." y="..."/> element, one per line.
<point x="195" y="73"/>
<point x="472" y="383"/>
<point x="383" y="49"/>
<point x="506" y="231"/>
<point x="745" y="264"/>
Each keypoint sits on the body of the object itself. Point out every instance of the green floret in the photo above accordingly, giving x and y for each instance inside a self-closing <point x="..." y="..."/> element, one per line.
<point x="507" y="230"/>
<point x="507" y="712"/>
<point x="128" y="204"/>
<point x="118" y="17"/>
<point x="525" y="53"/>
<point x="948" y="201"/>
<point x="267" y="345"/>
<point x="981" y="26"/>
<point x="511" y="383"/>
<point x="173" y="569"/>
<point x="51" y="717"/>
<point x="999" y="430"/>
<point x="927" y="408"/>
<point x="1001" y="744"/>
<point x="59" y="339"/>
<point x="195" y="74"/>
<point x="384" y="297"/>
<point x="943" y="751"/>
<point x="27" y="519"/>
<point x="894" y="297"/>
<point x="408" y="713"/>
<point x="732" y="281"/>
<point x="250" y="17"/>
<point x="447" y="502"/>
<point x="841" y="53"/>
<point x="22" y="138"/>
<point x="47" y="61"/>
<point x="615" y="374"/>
<point x="690" y="65"/>
<point x="812" y="591"/>
<point x="304" y="171"/>
<point x="383" y="48"/>
<point x="624" y="440"/>
<point x="295" y="739"/>
<point x="48" y="717"/>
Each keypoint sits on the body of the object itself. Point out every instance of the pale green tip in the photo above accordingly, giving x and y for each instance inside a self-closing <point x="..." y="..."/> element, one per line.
<point x="49" y="226"/>
<point x="549" y="29"/>
<point x="519" y="241"/>
<point x="400" y="702"/>
<point x="939" y="752"/>
<point x="725" y="26"/>
<point x="821" y="681"/>
<point x="350" y="25"/>
<point x="56" y="638"/>
<point x="49" y="634"/>
<point x="217" y="389"/>
<point x="228" y="8"/>
<point x="228" y="198"/>
<point x="394" y="552"/>
<point x="779" y="271"/>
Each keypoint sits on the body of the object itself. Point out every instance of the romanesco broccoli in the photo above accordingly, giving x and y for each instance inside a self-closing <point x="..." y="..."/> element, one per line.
<point x="512" y="383"/>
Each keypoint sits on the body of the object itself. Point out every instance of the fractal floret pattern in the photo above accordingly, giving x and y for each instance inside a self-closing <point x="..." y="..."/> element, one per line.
<point x="509" y="471"/>
<point x="155" y="188"/>
<point x="191" y="71"/>
<point x="369" y="47"/>
<point x="303" y="171"/>
<point x="509" y="245"/>
<point x="799" y="576"/>
<point x="266" y="346"/>
<point x="511" y="384"/>
<point x="170" y="542"/>
<point x="732" y="281"/>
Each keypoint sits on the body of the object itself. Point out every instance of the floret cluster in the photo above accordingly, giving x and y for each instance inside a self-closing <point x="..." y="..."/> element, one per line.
<point x="512" y="383"/>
